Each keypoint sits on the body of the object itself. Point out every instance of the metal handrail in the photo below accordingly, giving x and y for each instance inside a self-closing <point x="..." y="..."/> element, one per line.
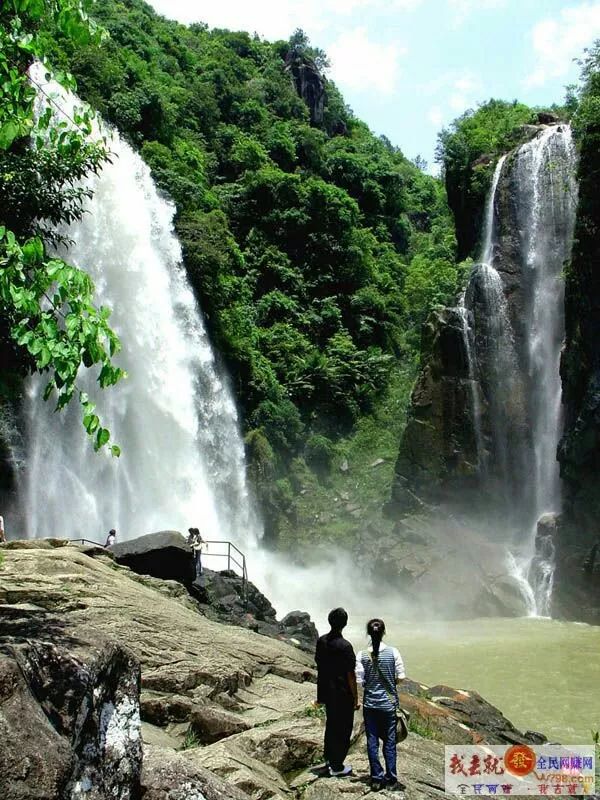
<point x="85" y="541"/>
<point x="232" y="560"/>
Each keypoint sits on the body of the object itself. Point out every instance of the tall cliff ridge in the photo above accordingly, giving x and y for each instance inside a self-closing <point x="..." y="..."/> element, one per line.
<point x="308" y="81"/>
<point x="580" y="366"/>
<point x="475" y="410"/>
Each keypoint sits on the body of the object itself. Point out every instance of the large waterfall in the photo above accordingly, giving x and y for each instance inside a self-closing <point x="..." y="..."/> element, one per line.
<point x="182" y="461"/>
<point x="514" y="302"/>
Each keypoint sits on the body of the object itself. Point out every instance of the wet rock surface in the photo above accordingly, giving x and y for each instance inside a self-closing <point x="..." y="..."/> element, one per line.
<point x="226" y="713"/>
<point x="576" y="591"/>
<point x="438" y="450"/>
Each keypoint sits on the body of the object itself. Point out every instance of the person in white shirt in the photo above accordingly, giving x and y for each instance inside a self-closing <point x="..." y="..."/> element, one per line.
<point x="111" y="538"/>
<point x="2" y="534"/>
<point x="378" y="670"/>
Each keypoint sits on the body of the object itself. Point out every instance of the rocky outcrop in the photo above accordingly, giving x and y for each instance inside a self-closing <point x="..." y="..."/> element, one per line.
<point x="438" y="452"/>
<point x="222" y="596"/>
<point x="164" y="555"/>
<point x="11" y="453"/>
<point x="576" y="590"/>
<point x="226" y="713"/>
<point x="579" y="452"/>
<point x="169" y="775"/>
<point x="69" y="712"/>
<point x="309" y="83"/>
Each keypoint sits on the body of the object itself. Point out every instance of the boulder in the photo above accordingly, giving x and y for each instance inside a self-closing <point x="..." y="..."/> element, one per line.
<point x="226" y="597"/>
<point x="299" y="626"/>
<point x="169" y="775"/>
<point x="547" y="118"/>
<point x="209" y="723"/>
<point x="163" y="555"/>
<point x="34" y="759"/>
<point x="483" y="720"/>
<point x="69" y="718"/>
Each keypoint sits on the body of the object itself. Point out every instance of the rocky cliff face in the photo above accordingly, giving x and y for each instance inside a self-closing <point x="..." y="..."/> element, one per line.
<point x="492" y="442"/>
<point x="579" y="452"/>
<point x="223" y="713"/>
<point x="491" y="425"/>
<point x="438" y="454"/>
<point x="309" y="83"/>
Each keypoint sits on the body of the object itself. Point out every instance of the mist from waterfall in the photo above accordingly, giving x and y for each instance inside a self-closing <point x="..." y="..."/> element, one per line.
<point x="174" y="417"/>
<point x="521" y="379"/>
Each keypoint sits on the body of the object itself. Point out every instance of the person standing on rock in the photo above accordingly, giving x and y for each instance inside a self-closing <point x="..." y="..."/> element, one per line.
<point x="2" y="534"/>
<point x="378" y="670"/>
<point x="336" y="690"/>
<point x="197" y="543"/>
<point x="111" y="538"/>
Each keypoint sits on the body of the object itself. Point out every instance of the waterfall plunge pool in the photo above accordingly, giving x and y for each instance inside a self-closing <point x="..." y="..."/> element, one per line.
<point x="543" y="674"/>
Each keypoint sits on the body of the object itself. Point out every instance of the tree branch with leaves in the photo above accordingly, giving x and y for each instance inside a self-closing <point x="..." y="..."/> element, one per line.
<point x="44" y="155"/>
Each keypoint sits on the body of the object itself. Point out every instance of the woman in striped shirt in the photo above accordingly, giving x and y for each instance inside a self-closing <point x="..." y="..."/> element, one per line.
<point x="378" y="670"/>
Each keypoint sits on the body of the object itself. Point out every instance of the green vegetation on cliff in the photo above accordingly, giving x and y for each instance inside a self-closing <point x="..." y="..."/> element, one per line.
<point x="315" y="248"/>
<point x="468" y="151"/>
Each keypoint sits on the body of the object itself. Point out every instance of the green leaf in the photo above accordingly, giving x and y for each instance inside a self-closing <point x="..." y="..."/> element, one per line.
<point x="8" y="133"/>
<point x="102" y="438"/>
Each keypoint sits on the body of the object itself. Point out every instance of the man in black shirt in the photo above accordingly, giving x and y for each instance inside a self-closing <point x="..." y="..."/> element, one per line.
<point x="336" y="690"/>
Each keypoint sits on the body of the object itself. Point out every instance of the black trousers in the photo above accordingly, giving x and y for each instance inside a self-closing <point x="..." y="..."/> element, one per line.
<point x="338" y="731"/>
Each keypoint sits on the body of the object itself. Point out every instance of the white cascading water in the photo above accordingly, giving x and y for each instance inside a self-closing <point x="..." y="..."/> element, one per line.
<point x="182" y="461"/>
<point x="485" y="296"/>
<point x="544" y="196"/>
<point x="544" y="172"/>
<point x="467" y="333"/>
<point x="465" y="312"/>
<point x="487" y="255"/>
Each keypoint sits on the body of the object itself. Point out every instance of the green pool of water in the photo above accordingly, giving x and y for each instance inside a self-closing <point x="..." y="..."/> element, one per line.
<point x="542" y="674"/>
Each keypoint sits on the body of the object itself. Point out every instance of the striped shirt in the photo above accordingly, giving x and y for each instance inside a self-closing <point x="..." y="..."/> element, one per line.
<point x="376" y="691"/>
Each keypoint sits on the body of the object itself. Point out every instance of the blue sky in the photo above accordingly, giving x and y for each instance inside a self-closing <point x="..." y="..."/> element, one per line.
<point x="408" y="67"/>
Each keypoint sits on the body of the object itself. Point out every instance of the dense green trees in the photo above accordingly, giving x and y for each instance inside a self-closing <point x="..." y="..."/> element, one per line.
<point x="315" y="248"/>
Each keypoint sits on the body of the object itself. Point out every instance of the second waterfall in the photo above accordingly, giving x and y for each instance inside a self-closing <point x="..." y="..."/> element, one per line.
<point x="515" y="301"/>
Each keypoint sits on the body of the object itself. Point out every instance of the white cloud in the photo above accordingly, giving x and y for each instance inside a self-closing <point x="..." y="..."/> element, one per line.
<point x="363" y="64"/>
<point x="466" y="84"/>
<point x="435" y="116"/>
<point x="275" y="19"/>
<point x="272" y="19"/>
<point x="348" y="7"/>
<point x="464" y="8"/>
<point x="557" y="40"/>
